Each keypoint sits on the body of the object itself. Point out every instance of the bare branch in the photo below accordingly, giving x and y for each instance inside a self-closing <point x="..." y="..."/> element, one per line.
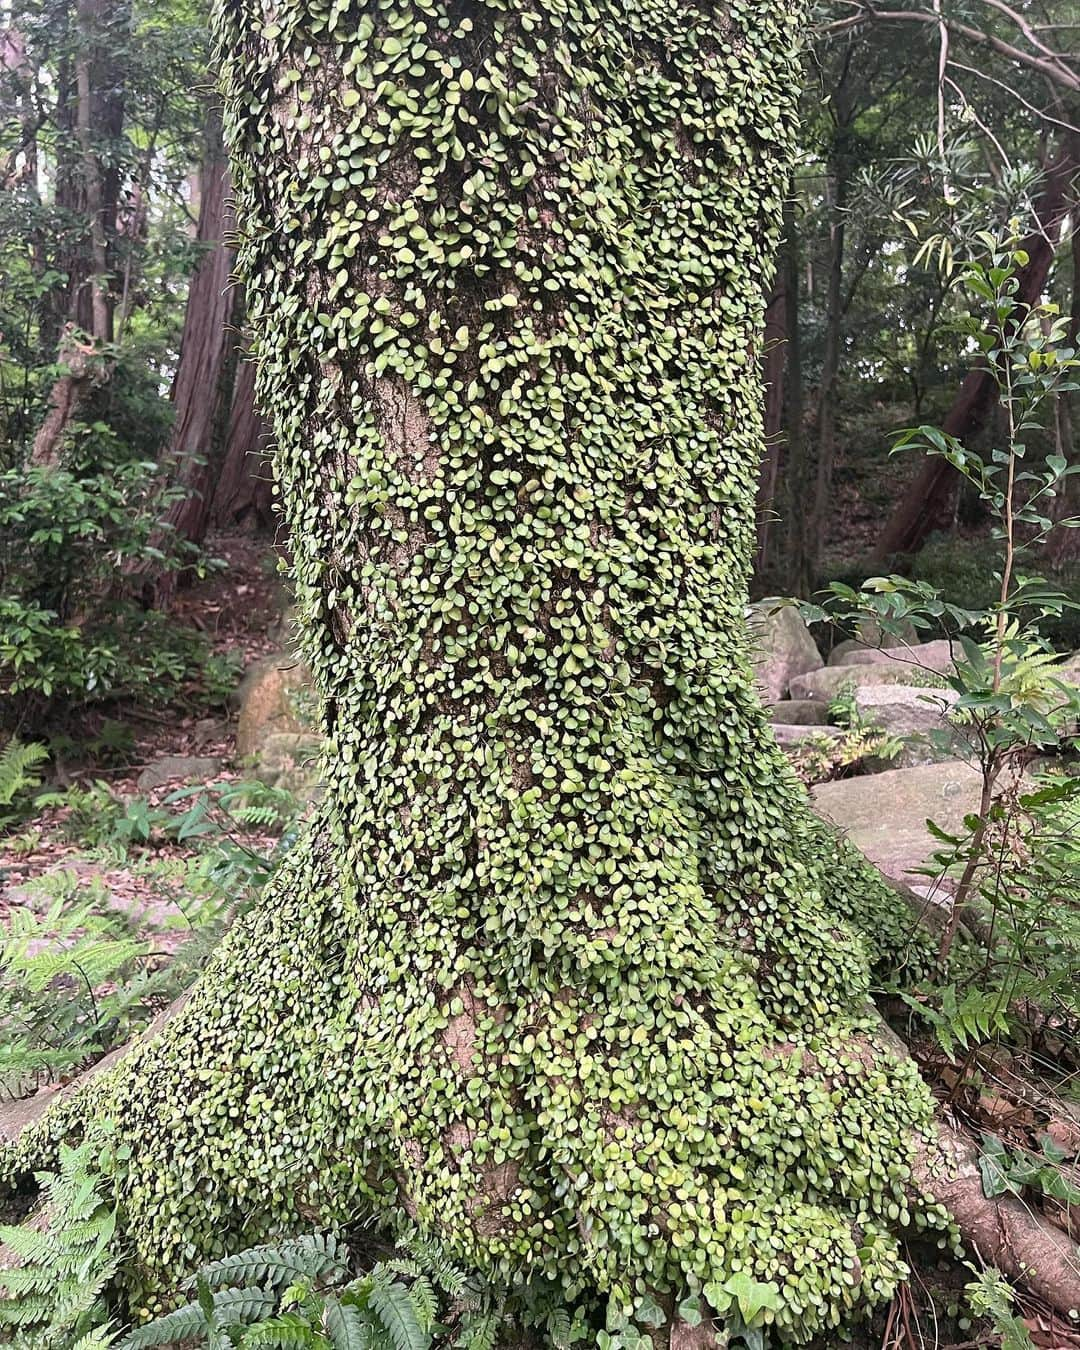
<point x="1013" y="93"/>
<point x="1052" y="68"/>
<point x="1028" y="32"/>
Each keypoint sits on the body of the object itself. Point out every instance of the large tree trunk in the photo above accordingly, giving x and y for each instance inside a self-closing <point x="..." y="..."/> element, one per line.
<point x="928" y="504"/>
<point x="244" y="494"/>
<point x="563" y="969"/>
<point x="201" y="388"/>
<point x="92" y="98"/>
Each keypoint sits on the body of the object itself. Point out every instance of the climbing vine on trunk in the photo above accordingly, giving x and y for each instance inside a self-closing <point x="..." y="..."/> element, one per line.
<point x="564" y="972"/>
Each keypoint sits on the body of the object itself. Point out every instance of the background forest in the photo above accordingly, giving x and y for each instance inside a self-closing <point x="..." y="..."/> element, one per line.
<point x="157" y="742"/>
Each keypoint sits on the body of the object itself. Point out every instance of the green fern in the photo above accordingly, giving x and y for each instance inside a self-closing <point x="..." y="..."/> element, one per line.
<point x="287" y="1331"/>
<point x="316" y="1256"/>
<point x="54" y="1298"/>
<point x="297" y="1295"/>
<point x="398" y="1315"/>
<point x="17" y="762"/>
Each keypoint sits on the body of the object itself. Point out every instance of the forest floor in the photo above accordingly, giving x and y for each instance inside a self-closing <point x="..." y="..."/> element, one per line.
<point x="239" y="610"/>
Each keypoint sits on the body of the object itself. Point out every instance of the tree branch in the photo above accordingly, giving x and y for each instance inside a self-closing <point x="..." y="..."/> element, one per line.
<point x="1051" y="68"/>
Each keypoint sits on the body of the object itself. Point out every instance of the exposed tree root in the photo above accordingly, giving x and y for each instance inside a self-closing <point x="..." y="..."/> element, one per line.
<point x="1002" y="1230"/>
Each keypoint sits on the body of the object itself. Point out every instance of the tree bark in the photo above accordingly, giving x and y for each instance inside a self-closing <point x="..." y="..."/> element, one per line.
<point x="929" y="502"/>
<point x="205" y="346"/>
<point x="774" y="368"/>
<point x="244" y="492"/>
<point x="92" y="98"/>
<point x="842" y="111"/>
<point x="797" y="468"/>
<point x="564" y="972"/>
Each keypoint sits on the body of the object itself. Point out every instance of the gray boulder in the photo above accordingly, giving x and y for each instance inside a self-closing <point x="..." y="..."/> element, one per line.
<point x="794" y="734"/>
<point x="800" y="712"/>
<point x="935" y="656"/>
<point x="885" y="814"/>
<point x="177" y="769"/>
<point x="782" y="647"/>
<point x="918" y="716"/>
<point x="290" y="759"/>
<point x="826" y="683"/>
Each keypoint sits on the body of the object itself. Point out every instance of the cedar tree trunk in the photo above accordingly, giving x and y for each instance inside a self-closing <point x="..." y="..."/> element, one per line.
<point x="206" y="346"/>
<point x="244" y="492"/>
<point x="88" y="186"/>
<point x="563" y="972"/>
<point x="929" y="502"/>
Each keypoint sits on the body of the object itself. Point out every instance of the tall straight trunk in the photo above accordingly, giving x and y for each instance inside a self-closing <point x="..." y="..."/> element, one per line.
<point x="798" y="479"/>
<point x="92" y="93"/>
<point x="243" y="494"/>
<point x="561" y="972"/>
<point x="206" y="345"/>
<point x="929" y="502"/>
<point x="842" y="110"/>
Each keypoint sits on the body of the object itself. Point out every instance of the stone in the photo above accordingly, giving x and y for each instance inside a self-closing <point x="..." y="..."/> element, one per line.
<point x="290" y="760"/>
<point x="800" y="712"/>
<point x="782" y="647"/>
<point x="917" y="715"/>
<point x="789" y="734"/>
<point x="276" y="695"/>
<point x="177" y="768"/>
<point x="826" y="683"/>
<point x="936" y="656"/>
<point x="868" y="633"/>
<point x="885" y="814"/>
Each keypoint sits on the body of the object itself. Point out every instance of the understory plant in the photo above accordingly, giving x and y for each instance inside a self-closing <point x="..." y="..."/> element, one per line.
<point x="52" y="1296"/>
<point x="1010" y="699"/>
<point x="79" y="974"/>
<point x="1009" y="949"/>
<point x="305" y="1294"/>
<point x="74" y="538"/>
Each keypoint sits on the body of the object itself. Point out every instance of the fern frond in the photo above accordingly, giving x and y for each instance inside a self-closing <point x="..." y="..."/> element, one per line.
<point x="394" y="1308"/>
<point x="559" y="1329"/>
<point x="481" y="1333"/>
<point x="287" y="1331"/>
<point x="316" y="1256"/>
<point x="17" y="761"/>
<point x="424" y="1301"/>
<point x="101" y="1338"/>
<point x="242" y="1307"/>
<point x="346" y="1327"/>
<point x="433" y="1261"/>
<point x="185" y="1324"/>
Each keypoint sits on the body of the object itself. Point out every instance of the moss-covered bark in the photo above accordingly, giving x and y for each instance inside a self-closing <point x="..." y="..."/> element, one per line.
<point x="563" y="970"/>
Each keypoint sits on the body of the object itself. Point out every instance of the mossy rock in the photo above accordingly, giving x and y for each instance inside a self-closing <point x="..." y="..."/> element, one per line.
<point x="276" y="695"/>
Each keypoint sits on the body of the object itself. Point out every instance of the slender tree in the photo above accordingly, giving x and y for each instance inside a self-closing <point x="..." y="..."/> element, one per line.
<point x="202" y="388"/>
<point x="563" y="972"/>
<point x="929" y="502"/>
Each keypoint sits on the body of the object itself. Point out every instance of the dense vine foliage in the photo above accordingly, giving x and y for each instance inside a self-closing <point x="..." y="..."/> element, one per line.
<point x="563" y="973"/>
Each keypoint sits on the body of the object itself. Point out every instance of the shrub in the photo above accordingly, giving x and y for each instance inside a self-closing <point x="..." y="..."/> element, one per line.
<point x="72" y="542"/>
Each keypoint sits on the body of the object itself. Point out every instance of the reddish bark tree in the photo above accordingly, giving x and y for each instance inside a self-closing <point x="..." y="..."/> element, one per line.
<point x="244" y="492"/>
<point x="929" y="502"/>
<point x="89" y="174"/>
